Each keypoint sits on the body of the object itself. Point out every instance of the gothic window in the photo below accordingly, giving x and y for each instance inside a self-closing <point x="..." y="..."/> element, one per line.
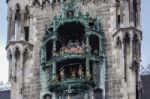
<point x="10" y="66"/>
<point x="118" y="20"/>
<point x="26" y="60"/>
<point x="17" y="20"/>
<point x="26" y="32"/>
<point x="136" y="47"/>
<point x="94" y="44"/>
<point x="17" y="63"/>
<point x="26" y="23"/>
<point x="118" y="51"/>
<point x="135" y="12"/>
<point x="126" y="54"/>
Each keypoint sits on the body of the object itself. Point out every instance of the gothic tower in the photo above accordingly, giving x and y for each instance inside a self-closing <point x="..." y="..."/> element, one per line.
<point x="74" y="49"/>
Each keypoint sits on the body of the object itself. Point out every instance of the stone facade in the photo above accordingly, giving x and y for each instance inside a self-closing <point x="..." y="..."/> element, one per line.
<point x="120" y="20"/>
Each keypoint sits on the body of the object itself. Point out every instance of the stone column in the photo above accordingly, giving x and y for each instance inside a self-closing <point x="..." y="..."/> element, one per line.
<point x="87" y="40"/>
<point x="131" y="50"/>
<point x="138" y="15"/>
<point x="88" y="68"/>
<point x="100" y="46"/>
<point x="13" y="26"/>
<point x="54" y="70"/>
<point x="131" y="13"/>
<point x="10" y="68"/>
<point x="22" y="26"/>
<point x="54" y="45"/>
<point x="123" y="57"/>
<point x="121" y="13"/>
<point x="21" y="75"/>
<point x="13" y="66"/>
<point x="9" y="28"/>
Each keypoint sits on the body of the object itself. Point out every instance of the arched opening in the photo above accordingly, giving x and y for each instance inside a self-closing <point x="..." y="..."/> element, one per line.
<point x="71" y="69"/>
<point x="118" y="52"/>
<point x="135" y="12"/>
<point x="70" y="36"/>
<point x="17" y="63"/>
<point x="118" y="14"/>
<point x="10" y="65"/>
<point x="136" y="47"/>
<point x="26" y="23"/>
<point x="49" y="49"/>
<point x="94" y="44"/>
<point x="126" y="54"/>
<point x="17" y="21"/>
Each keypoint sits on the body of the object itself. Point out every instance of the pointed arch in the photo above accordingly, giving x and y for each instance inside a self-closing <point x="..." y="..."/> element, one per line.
<point x="136" y="47"/>
<point x="17" y="12"/>
<point x="118" y="46"/>
<point x="126" y="42"/>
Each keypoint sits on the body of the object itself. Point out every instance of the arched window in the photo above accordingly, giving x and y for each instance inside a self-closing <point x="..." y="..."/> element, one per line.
<point x="17" y="63"/>
<point x="118" y="52"/>
<point x="126" y="54"/>
<point x="17" y="20"/>
<point x="136" y="47"/>
<point x="26" y="23"/>
<point x="118" y="19"/>
<point x="94" y="43"/>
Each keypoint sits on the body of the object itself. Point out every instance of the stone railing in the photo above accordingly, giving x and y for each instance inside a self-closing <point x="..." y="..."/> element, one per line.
<point x="4" y="86"/>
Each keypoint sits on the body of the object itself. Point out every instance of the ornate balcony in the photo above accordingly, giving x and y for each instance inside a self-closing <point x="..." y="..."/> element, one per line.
<point x="76" y="85"/>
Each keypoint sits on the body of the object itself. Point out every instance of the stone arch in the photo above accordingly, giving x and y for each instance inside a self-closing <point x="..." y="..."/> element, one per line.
<point x="47" y="96"/>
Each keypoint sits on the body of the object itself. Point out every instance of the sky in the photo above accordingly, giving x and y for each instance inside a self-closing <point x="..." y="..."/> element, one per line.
<point x="145" y="15"/>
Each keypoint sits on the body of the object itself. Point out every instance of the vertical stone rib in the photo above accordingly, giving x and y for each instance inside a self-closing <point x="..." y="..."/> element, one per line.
<point x="13" y="26"/>
<point x="121" y="11"/>
<point x="22" y="26"/>
<point x="131" y="12"/>
<point x="13" y="66"/>
<point x="8" y="28"/>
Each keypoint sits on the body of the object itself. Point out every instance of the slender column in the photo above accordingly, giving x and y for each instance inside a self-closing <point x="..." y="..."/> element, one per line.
<point x="13" y="66"/>
<point x="22" y="76"/>
<point x="100" y="46"/>
<point x="54" y="45"/>
<point x="102" y="77"/>
<point x="121" y="12"/>
<point x="87" y="40"/>
<point x="54" y="70"/>
<point x="138" y="14"/>
<point x="123" y="61"/>
<point x="10" y="68"/>
<point x="131" y="51"/>
<point x="87" y="44"/>
<point x="13" y="26"/>
<point x="131" y="13"/>
<point x="22" y="26"/>
<point x="8" y="28"/>
<point x="87" y="68"/>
